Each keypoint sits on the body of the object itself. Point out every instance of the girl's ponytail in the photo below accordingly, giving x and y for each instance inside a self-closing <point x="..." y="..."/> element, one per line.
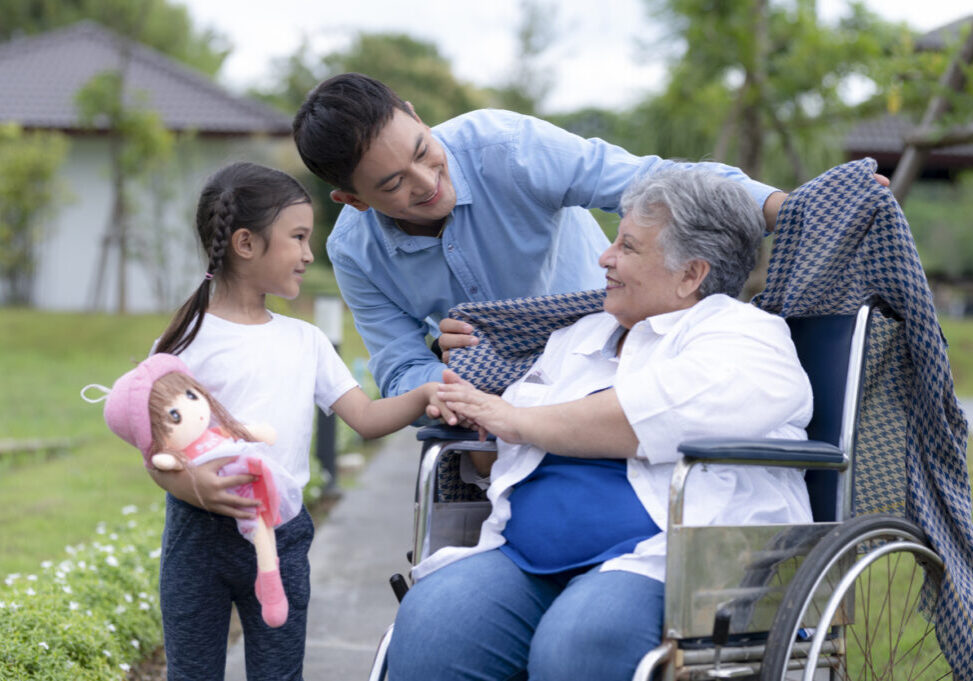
<point x="178" y="335"/>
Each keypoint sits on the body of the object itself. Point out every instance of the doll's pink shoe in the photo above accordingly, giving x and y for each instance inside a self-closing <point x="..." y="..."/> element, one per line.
<point x="273" y="600"/>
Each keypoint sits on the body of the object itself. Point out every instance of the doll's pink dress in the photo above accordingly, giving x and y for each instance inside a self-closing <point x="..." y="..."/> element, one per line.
<point x="279" y="494"/>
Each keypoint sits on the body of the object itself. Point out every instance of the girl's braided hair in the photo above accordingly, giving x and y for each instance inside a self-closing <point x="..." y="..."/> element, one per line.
<point x="239" y="195"/>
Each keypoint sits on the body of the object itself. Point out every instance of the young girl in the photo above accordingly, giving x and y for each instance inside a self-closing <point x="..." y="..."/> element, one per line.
<point x="254" y="224"/>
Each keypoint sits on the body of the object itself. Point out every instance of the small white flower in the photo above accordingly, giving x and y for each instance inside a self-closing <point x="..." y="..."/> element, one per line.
<point x="107" y="653"/>
<point x="31" y="578"/>
<point x="73" y="605"/>
<point x="100" y="529"/>
<point x="2" y="605"/>
<point x="131" y="524"/>
<point x="119" y="610"/>
<point x="129" y="510"/>
<point x="47" y="564"/>
<point x="43" y="644"/>
<point x="113" y="536"/>
<point x="82" y="564"/>
<point x="155" y="553"/>
<point x="128" y="598"/>
<point x="135" y="643"/>
<point x="144" y="595"/>
<point x="70" y="550"/>
<point x="143" y="605"/>
<point x="30" y="592"/>
<point x="66" y="589"/>
<point x="111" y="627"/>
<point x="125" y="667"/>
<point x="15" y="606"/>
<point x="11" y="578"/>
<point x="111" y="560"/>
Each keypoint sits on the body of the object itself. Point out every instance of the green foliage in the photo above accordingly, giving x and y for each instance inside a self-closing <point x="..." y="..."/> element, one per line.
<point x="29" y="192"/>
<point x="939" y="216"/>
<point x="160" y="24"/>
<point x="767" y="77"/>
<point x="93" y="614"/>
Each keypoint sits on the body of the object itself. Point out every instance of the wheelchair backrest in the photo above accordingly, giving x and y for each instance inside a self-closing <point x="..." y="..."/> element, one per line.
<point x="831" y="350"/>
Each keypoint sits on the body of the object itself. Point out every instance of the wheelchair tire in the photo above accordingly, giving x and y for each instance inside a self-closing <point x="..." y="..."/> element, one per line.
<point x="887" y="567"/>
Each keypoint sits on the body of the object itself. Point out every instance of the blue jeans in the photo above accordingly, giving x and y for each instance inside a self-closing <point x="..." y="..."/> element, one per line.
<point x="484" y="618"/>
<point x="206" y="567"/>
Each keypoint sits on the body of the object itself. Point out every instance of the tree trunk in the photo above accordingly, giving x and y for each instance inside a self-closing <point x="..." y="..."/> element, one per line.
<point x="751" y="118"/>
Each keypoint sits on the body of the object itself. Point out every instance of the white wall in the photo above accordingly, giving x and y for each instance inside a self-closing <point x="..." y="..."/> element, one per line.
<point x="163" y="231"/>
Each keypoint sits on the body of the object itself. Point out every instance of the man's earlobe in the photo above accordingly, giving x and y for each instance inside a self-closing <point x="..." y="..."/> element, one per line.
<point x="349" y="199"/>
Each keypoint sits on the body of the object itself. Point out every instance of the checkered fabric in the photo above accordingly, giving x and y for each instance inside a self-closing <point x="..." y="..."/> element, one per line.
<point x="513" y="334"/>
<point x="842" y="238"/>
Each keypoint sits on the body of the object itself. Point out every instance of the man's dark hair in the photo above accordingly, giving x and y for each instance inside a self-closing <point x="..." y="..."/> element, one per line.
<point x="338" y="121"/>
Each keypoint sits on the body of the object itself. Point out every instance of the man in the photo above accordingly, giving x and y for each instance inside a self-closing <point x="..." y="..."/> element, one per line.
<point x="488" y="205"/>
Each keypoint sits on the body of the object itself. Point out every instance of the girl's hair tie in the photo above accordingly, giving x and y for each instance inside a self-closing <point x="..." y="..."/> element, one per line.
<point x="208" y="276"/>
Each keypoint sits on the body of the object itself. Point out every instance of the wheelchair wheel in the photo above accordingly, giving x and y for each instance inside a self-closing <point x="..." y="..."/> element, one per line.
<point x="855" y="608"/>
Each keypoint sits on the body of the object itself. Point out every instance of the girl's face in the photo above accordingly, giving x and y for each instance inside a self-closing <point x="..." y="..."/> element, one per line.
<point x="280" y="267"/>
<point x="188" y="416"/>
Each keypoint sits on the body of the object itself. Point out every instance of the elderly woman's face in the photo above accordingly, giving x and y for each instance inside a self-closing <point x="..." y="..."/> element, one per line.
<point x="638" y="284"/>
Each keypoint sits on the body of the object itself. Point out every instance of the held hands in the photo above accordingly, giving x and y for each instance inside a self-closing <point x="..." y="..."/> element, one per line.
<point x="455" y="334"/>
<point x="487" y="413"/>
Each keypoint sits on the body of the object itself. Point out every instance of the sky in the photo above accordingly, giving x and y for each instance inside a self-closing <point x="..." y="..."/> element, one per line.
<point x="597" y="59"/>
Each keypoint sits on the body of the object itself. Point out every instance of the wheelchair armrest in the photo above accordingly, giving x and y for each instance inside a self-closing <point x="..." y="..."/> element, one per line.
<point x="758" y="452"/>
<point x="764" y="452"/>
<point x="443" y="432"/>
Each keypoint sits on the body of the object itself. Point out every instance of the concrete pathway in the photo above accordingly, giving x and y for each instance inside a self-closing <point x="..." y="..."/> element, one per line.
<point x="361" y="544"/>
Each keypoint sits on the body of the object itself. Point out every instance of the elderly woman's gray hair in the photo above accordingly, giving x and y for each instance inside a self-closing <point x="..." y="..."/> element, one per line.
<point x="704" y="216"/>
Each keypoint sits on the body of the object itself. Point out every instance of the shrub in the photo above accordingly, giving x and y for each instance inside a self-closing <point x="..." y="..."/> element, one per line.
<point x="91" y="616"/>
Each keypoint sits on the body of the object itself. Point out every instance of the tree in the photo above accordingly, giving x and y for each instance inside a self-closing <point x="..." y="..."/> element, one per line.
<point x="165" y="26"/>
<point x="29" y="192"/>
<point x="529" y="82"/>
<point x="772" y="77"/>
<point x="138" y="142"/>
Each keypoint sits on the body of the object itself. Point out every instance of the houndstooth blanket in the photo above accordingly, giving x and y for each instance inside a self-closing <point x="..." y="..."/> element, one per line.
<point x="842" y="238"/>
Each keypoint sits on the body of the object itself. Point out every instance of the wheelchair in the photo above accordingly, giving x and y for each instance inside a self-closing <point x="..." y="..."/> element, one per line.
<point x="848" y="596"/>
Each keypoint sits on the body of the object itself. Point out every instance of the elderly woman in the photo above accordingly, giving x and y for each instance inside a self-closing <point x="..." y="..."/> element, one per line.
<point x="566" y="581"/>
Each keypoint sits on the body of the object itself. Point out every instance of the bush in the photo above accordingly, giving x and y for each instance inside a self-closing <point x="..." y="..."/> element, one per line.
<point x="93" y="615"/>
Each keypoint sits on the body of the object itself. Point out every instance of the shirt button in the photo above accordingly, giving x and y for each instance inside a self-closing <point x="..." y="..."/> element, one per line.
<point x="474" y="289"/>
<point x="450" y="248"/>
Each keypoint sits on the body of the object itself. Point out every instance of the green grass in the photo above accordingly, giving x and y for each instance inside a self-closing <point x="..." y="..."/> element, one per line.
<point x="959" y="335"/>
<point x="46" y="359"/>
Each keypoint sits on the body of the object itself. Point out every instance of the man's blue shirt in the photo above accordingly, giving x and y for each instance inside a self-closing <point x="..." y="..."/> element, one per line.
<point x="521" y="227"/>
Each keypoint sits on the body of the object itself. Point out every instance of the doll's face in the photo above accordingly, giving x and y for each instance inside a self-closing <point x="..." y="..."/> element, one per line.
<point x="187" y="416"/>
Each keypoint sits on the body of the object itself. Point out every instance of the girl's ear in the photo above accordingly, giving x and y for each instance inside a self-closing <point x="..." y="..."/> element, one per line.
<point x="243" y="244"/>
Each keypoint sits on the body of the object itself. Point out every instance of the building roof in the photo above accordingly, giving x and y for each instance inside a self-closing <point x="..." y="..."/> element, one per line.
<point x="40" y="74"/>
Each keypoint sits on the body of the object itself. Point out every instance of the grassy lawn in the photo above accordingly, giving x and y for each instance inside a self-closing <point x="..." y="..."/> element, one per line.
<point x="46" y="359"/>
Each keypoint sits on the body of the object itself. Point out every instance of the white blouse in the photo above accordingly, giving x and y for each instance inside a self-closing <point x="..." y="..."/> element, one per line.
<point x="719" y="368"/>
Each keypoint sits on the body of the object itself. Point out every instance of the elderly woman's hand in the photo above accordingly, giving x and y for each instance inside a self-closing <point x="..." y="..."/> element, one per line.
<point x="488" y="413"/>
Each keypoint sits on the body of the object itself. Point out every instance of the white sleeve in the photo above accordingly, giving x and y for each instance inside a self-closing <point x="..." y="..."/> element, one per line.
<point x="333" y="377"/>
<point x="720" y="383"/>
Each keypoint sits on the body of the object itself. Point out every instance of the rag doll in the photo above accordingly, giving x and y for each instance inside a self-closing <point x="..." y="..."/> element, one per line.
<point x="163" y="411"/>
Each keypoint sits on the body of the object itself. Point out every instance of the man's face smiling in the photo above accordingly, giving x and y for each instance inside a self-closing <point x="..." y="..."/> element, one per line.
<point x="403" y="175"/>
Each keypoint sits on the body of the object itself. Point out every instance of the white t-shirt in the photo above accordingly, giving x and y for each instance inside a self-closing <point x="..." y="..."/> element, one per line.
<point x="719" y="368"/>
<point x="271" y="373"/>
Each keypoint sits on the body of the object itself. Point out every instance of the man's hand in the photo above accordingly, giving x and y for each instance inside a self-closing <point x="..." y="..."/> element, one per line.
<point x="202" y="486"/>
<point x="488" y="412"/>
<point x="455" y="334"/>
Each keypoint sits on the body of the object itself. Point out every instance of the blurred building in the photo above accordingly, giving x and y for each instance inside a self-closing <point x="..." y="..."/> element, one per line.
<point x="39" y="78"/>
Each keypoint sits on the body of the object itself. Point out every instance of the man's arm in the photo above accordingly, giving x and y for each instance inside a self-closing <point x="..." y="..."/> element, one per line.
<point x="399" y="360"/>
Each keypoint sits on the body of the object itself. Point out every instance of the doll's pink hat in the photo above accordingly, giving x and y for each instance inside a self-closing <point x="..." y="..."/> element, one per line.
<point x="127" y="406"/>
